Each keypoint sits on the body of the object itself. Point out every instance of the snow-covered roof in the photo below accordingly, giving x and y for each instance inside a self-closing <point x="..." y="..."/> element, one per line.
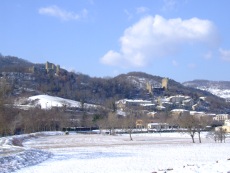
<point x="179" y="110"/>
<point x="150" y="104"/>
<point x="151" y="113"/>
<point x="196" y="113"/>
<point x="124" y="101"/>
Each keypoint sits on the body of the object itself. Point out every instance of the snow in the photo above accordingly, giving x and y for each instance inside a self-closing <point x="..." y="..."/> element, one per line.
<point x="223" y="93"/>
<point x="149" y="152"/>
<point x="47" y="102"/>
<point x="14" y="156"/>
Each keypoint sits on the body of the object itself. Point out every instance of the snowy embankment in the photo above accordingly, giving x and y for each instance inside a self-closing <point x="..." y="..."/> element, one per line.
<point x="14" y="156"/>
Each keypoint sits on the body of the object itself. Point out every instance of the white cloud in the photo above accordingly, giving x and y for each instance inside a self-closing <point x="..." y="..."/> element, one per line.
<point x="142" y="10"/>
<point x="112" y="58"/>
<point x="225" y="54"/>
<point x="155" y="37"/>
<point x="208" y="55"/>
<point x="55" y="11"/>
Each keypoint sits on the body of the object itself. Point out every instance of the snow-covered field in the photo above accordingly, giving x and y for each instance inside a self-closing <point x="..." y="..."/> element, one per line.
<point x="95" y="153"/>
<point x="47" y="102"/>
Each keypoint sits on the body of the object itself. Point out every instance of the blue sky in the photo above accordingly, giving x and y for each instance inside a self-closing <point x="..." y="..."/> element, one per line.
<point x="180" y="39"/>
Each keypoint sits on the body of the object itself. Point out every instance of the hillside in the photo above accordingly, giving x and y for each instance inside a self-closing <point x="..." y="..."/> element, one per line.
<point x="218" y="88"/>
<point x="48" y="78"/>
<point x="9" y="63"/>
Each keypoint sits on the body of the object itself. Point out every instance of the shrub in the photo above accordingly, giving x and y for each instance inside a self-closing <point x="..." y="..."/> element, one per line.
<point x="17" y="142"/>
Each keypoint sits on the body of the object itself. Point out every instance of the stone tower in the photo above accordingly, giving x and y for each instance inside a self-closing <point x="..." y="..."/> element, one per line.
<point x="165" y="83"/>
<point x="149" y="87"/>
<point x="57" y="69"/>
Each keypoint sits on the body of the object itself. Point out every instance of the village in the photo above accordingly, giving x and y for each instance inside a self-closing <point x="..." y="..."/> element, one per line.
<point x="162" y="110"/>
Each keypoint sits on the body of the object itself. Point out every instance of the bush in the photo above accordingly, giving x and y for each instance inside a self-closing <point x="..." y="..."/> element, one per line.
<point x="17" y="142"/>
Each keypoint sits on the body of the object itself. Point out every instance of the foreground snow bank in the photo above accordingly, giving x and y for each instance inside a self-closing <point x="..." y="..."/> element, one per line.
<point x="14" y="156"/>
<point x="22" y="159"/>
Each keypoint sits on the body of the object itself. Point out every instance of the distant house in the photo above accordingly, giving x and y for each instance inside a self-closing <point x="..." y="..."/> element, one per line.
<point x="132" y="103"/>
<point x="160" y="108"/>
<point x="140" y="124"/>
<point x="225" y="127"/>
<point x="157" y="127"/>
<point x="176" y="113"/>
<point x="198" y="114"/>
<point x="188" y="102"/>
<point x="178" y="98"/>
<point x="221" y="117"/>
<point x="151" y="114"/>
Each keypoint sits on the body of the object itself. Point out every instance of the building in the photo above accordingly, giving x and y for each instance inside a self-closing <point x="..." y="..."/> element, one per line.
<point x="50" y="67"/>
<point x="198" y="114"/>
<point x="140" y="124"/>
<point x="225" y="127"/>
<point x="188" y="102"/>
<point x="158" y="127"/>
<point x="176" y="113"/>
<point x="151" y="114"/>
<point x="178" y="98"/>
<point x="132" y="103"/>
<point x="221" y="117"/>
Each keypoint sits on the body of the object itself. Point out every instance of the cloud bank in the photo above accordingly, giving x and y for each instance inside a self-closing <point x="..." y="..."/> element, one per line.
<point x="55" y="11"/>
<point x="154" y="37"/>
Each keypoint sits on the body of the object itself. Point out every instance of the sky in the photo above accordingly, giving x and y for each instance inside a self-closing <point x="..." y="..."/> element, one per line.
<point x="180" y="39"/>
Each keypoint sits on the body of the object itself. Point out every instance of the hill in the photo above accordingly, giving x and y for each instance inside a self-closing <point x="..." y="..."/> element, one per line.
<point x="9" y="63"/>
<point x="33" y="79"/>
<point x="218" y="88"/>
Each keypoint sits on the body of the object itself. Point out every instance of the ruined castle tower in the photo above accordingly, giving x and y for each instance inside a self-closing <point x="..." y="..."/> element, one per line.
<point x="51" y="68"/>
<point x="165" y="83"/>
<point x="149" y="87"/>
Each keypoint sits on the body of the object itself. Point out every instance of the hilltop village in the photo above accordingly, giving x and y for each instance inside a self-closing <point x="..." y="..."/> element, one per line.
<point x="149" y="99"/>
<point x="161" y="108"/>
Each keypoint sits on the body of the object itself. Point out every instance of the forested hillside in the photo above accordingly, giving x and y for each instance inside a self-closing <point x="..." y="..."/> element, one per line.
<point x="26" y="78"/>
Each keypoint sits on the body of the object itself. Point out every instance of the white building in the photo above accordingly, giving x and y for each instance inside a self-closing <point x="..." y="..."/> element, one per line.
<point x="157" y="127"/>
<point x="225" y="127"/>
<point x="197" y="114"/>
<point x="221" y="117"/>
<point x="129" y="102"/>
<point x="176" y="113"/>
<point x="178" y="98"/>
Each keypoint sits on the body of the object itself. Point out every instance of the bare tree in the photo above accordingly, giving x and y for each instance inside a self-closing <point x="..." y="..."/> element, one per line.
<point x="220" y="135"/>
<point x="202" y="123"/>
<point x="129" y="122"/>
<point x="189" y="123"/>
<point x="112" y="122"/>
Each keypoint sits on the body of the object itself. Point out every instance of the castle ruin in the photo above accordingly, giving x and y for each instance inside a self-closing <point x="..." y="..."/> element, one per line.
<point x="165" y="83"/>
<point x="50" y="67"/>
